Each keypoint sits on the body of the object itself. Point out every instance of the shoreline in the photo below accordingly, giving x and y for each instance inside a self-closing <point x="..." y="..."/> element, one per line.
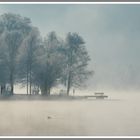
<point x="25" y="97"/>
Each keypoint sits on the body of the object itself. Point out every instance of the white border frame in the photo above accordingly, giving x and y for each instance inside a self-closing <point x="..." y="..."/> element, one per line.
<point x="74" y="3"/>
<point x="81" y="3"/>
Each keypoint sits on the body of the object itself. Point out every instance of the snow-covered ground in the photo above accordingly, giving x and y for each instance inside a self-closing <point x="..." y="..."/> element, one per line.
<point x="117" y="116"/>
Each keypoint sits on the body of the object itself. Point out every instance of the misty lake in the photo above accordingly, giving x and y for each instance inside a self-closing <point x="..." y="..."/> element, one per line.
<point x="71" y="118"/>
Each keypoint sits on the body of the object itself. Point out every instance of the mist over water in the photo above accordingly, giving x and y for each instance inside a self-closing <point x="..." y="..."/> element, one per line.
<point x="116" y="116"/>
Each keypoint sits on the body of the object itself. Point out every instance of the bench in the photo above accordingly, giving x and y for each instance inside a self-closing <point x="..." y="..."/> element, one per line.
<point x="97" y="95"/>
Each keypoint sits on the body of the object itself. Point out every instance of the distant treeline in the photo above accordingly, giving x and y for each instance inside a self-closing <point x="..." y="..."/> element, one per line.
<point x="41" y="63"/>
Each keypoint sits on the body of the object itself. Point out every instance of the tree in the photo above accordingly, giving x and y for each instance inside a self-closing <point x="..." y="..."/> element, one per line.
<point x="15" y="29"/>
<point x="27" y="57"/>
<point x="13" y="40"/>
<point x="77" y="61"/>
<point x="50" y="64"/>
<point x="3" y="66"/>
<point x="28" y="60"/>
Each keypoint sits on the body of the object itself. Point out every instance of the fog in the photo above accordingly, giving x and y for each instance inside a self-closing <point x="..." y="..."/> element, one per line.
<point x="111" y="33"/>
<point x="115" y="116"/>
<point x="118" y="115"/>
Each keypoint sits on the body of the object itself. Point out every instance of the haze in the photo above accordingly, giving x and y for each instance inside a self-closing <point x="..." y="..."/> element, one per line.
<point x="111" y="33"/>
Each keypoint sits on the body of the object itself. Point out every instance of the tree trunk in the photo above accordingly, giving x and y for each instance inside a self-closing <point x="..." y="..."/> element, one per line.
<point x="12" y="82"/>
<point x="3" y="87"/>
<point x="69" y="83"/>
<point x="27" y="82"/>
<point x="30" y="80"/>
<point x="27" y="76"/>
<point x="12" y="89"/>
<point x="45" y="91"/>
<point x="30" y="85"/>
<point x="70" y="72"/>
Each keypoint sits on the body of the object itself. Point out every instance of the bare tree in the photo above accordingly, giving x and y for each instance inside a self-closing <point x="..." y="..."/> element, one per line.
<point x="50" y="67"/>
<point x="27" y="58"/>
<point x="3" y="65"/>
<point x="15" y="29"/>
<point x="77" y="61"/>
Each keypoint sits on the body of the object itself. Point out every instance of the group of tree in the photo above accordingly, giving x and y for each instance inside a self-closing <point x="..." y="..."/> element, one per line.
<point x="27" y="58"/>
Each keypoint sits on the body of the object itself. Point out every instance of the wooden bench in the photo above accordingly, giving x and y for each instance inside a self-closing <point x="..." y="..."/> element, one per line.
<point x="97" y="95"/>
